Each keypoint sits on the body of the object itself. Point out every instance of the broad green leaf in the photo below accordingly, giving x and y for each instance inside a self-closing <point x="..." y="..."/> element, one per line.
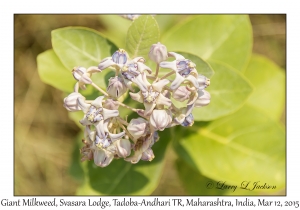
<point x="191" y="177"/>
<point x="227" y="38"/>
<point x="52" y="72"/>
<point x="115" y="28"/>
<point x="167" y="21"/>
<point x="142" y="33"/>
<point x="229" y="90"/>
<point x="79" y="46"/>
<point x="246" y="146"/>
<point x="123" y="178"/>
<point x="269" y="86"/>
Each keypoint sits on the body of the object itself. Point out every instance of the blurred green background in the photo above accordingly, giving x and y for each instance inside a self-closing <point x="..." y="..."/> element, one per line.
<point x="45" y="136"/>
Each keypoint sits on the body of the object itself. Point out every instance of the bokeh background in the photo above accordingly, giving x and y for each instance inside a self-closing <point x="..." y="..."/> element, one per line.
<point x="45" y="136"/>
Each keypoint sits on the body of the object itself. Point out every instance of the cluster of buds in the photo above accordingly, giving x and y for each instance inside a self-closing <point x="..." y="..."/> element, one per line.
<point x="107" y="135"/>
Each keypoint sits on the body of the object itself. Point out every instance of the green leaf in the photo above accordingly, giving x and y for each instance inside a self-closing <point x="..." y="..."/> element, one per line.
<point x="246" y="146"/>
<point x="79" y="46"/>
<point x="167" y="21"/>
<point x="123" y="178"/>
<point x="116" y="28"/>
<point x="227" y="38"/>
<point x="229" y="90"/>
<point x="142" y="33"/>
<point x="269" y="82"/>
<point x="52" y="72"/>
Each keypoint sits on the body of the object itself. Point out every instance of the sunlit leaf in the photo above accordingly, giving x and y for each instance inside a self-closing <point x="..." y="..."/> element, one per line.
<point x="229" y="90"/>
<point x="123" y="178"/>
<point x="227" y="38"/>
<point x="52" y="72"/>
<point x="79" y="46"/>
<point x="269" y="86"/>
<point x="142" y="33"/>
<point x="246" y="146"/>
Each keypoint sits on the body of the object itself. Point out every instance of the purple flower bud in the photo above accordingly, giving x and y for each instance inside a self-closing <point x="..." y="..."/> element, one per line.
<point x="203" y="98"/>
<point x="71" y="103"/>
<point x="111" y="104"/>
<point x="188" y="121"/>
<point x="116" y="87"/>
<point x="160" y="119"/>
<point x="203" y="82"/>
<point x="158" y="53"/>
<point x="181" y="94"/>
<point x="123" y="148"/>
<point x="120" y="56"/>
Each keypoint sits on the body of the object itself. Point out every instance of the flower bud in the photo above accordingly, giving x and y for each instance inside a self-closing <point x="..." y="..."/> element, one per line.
<point x="102" y="158"/>
<point x="111" y="104"/>
<point x="203" y="98"/>
<point x="160" y="119"/>
<point x="158" y="53"/>
<point x="203" y="82"/>
<point x="181" y="94"/>
<point x="188" y="121"/>
<point x="116" y="87"/>
<point x="120" y="56"/>
<point x="123" y="148"/>
<point x="148" y="155"/>
<point x="71" y="103"/>
<point x="138" y="127"/>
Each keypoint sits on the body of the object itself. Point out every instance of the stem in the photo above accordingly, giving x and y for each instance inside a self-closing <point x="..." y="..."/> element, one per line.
<point x="128" y="107"/>
<point x="98" y="88"/>
<point x="76" y="87"/>
<point x="151" y="77"/>
<point x="157" y="70"/>
<point x="122" y="121"/>
<point x="168" y="74"/>
<point x="128" y="134"/>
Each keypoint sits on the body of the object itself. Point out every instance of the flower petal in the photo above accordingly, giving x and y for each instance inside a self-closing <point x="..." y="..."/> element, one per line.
<point x="85" y="122"/>
<point x="137" y="96"/>
<point x="193" y="80"/>
<point x="177" y="82"/>
<point x="140" y="82"/>
<point x="142" y="67"/>
<point x="176" y="55"/>
<point x="117" y="136"/>
<point x="105" y="63"/>
<point x="107" y="113"/>
<point x="135" y="158"/>
<point x="149" y="108"/>
<point x="158" y="86"/>
<point x="148" y="155"/>
<point x="84" y="106"/>
<point x="98" y="102"/>
<point x="100" y="128"/>
<point x="169" y="65"/>
<point x="162" y="100"/>
<point x="123" y="148"/>
<point x="93" y="69"/>
<point x="102" y="158"/>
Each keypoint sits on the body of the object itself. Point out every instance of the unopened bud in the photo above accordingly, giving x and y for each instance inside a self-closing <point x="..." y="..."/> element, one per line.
<point x="158" y="53"/>
<point x="203" y="82"/>
<point x="116" y="87"/>
<point x="148" y="155"/>
<point x="138" y="127"/>
<point x="111" y="104"/>
<point x="123" y="147"/>
<point x="71" y="103"/>
<point x="160" y="119"/>
<point x="120" y="56"/>
<point x="203" y="98"/>
<point x="181" y="94"/>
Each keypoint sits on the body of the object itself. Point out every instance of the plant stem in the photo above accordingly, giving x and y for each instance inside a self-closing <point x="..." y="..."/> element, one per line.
<point x="98" y="88"/>
<point x="157" y="70"/>
<point x="168" y="74"/>
<point x="128" y="107"/>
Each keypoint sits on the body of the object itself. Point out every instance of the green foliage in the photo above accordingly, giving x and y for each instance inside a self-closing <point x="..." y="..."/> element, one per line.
<point x="269" y="82"/>
<point x="244" y="146"/>
<point x="229" y="90"/>
<point x="142" y="33"/>
<point x="226" y="38"/>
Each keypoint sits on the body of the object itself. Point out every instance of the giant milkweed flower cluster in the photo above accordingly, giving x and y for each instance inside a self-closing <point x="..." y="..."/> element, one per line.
<point x="107" y="135"/>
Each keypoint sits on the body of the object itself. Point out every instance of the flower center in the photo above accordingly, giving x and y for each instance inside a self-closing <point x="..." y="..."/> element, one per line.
<point x="130" y="71"/>
<point x="93" y="115"/>
<point x="150" y="95"/>
<point x="185" y="67"/>
<point x="103" y="142"/>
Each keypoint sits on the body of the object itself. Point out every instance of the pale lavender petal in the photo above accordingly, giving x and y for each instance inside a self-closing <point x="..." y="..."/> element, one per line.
<point x="158" y="86"/>
<point x="100" y="128"/>
<point x="123" y="147"/>
<point x="85" y="121"/>
<point x="105" y="63"/>
<point x="102" y="158"/>
<point x="177" y="82"/>
<point x="107" y="113"/>
<point x="149" y="108"/>
<point x="93" y="69"/>
<point x="135" y="158"/>
<point x="162" y="100"/>
<point x="193" y="80"/>
<point x="142" y="67"/>
<point x="140" y="82"/>
<point x="148" y="155"/>
<point x="136" y="96"/>
<point x="117" y="136"/>
<point x="86" y="79"/>
<point x="169" y="65"/>
<point x="98" y="102"/>
<point x="176" y="55"/>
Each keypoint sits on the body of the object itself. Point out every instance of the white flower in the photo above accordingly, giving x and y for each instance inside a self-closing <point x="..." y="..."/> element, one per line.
<point x="184" y="68"/>
<point x="203" y="98"/>
<point x="158" y="53"/>
<point x="160" y="119"/>
<point x="83" y="76"/>
<point x="71" y="103"/>
<point x="150" y="94"/>
<point x="118" y="59"/>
